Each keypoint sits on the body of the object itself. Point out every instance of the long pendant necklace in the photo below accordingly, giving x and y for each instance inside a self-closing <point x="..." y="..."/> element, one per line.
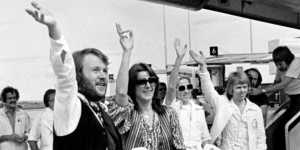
<point x="149" y="126"/>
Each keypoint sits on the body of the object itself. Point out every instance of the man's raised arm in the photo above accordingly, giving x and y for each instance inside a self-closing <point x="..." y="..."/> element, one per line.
<point x="67" y="108"/>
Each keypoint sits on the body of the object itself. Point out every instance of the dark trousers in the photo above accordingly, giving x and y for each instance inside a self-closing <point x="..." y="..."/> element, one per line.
<point x="275" y="134"/>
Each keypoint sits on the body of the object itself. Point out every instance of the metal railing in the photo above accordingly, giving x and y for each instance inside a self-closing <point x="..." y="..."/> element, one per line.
<point x="292" y="133"/>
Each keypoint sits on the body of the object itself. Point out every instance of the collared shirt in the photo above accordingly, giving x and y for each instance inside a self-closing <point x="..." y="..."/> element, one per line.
<point x="42" y="130"/>
<point x="235" y="134"/>
<point x="22" y="127"/>
<point x="193" y="124"/>
<point x="238" y="131"/>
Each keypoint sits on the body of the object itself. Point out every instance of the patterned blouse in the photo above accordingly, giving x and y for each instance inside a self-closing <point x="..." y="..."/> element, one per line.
<point x="165" y="133"/>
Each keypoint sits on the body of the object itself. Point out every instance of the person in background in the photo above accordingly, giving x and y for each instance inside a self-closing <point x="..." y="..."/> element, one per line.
<point x="42" y="129"/>
<point x="138" y="113"/>
<point x="261" y="100"/>
<point x="162" y="90"/>
<point x="255" y="80"/>
<point x="238" y="123"/>
<point x="286" y="79"/>
<point x="80" y="120"/>
<point x="14" y="122"/>
<point x="191" y="115"/>
<point x="195" y="96"/>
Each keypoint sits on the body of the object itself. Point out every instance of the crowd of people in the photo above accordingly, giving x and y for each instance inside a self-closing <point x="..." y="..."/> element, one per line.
<point x="145" y="114"/>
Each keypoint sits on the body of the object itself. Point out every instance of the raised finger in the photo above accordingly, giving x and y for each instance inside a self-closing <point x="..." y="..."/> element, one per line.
<point x="119" y="30"/>
<point x="30" y="12"/>
<point x="36" y="15"/>
<point x="42" y="17"/>
<point x="36" y="5"/>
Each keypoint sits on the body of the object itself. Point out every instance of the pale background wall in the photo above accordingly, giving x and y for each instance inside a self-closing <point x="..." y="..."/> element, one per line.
<point x="90" y="23"/>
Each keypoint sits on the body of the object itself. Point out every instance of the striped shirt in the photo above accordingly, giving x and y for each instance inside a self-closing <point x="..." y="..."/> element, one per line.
<point x="165" y="135"/>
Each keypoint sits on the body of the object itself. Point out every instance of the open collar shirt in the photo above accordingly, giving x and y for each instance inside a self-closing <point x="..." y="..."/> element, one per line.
<point x="42" y="130"/>
<point x="22" y="127"/>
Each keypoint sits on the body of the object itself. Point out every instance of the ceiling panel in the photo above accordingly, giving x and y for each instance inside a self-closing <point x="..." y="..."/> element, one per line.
<point x="280" y="12"/>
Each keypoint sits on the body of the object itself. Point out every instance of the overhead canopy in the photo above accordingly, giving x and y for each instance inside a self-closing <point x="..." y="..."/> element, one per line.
<point x="236" y="58"/>
<point x="280" y="12"/>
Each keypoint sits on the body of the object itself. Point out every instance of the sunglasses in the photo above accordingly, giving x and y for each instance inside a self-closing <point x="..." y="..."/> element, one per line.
<point x="182" y="87"/>
<point x="144" y="82"/>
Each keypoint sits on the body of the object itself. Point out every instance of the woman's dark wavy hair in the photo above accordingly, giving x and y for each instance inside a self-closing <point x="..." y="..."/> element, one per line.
<point x="283" y="53"/>
<point x="259" y="78"/>
<point x="9" y="89"/>
<point x="78" y="58"/>
<point x="46" y="96"/>
<point x="133" y="73"/>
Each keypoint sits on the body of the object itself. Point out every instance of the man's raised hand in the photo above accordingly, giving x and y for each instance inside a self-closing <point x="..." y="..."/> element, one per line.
<point x="126" y="38"/>
<point x="180" y="51"/>
<point x="41" y="15"/>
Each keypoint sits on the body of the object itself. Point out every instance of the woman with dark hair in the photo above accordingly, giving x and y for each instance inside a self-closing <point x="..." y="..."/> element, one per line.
<point x="140" y="117"/>
<point x="287" y="79"/>
<point x="238" y="123"/>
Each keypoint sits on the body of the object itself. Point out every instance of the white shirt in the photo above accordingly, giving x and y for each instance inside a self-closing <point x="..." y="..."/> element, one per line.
<point x="22" y="127"/>
<point x="293" y="88"/>
<point x="235" y="134"/>
<point x="239" y="131"/>
<point x="193" y="124"/>
<point x="67" y="106"/>
<point x="42" y="130"/>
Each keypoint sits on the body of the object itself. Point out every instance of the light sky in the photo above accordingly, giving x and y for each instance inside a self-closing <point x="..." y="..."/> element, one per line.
<point x="25" y="45"/>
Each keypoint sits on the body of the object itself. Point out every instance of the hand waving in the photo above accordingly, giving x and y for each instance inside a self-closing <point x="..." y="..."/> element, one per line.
<point x="198" y="58"/>
<point x="41" y="15"/>
<point x="126" y="38"/>
<point x="180" y="52"/>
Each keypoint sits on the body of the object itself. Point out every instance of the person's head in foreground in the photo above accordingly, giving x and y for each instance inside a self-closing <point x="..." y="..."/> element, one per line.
<point x="143" y="87"/>
<point x="237" y="86"/>
<point x="91" y="73"/>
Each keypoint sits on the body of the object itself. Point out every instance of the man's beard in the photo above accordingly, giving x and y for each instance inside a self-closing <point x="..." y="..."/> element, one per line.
<point x="86" y="88"/>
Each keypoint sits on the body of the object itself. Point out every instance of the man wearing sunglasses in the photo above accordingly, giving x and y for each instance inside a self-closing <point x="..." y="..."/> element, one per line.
<point x="179" y="96"/>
